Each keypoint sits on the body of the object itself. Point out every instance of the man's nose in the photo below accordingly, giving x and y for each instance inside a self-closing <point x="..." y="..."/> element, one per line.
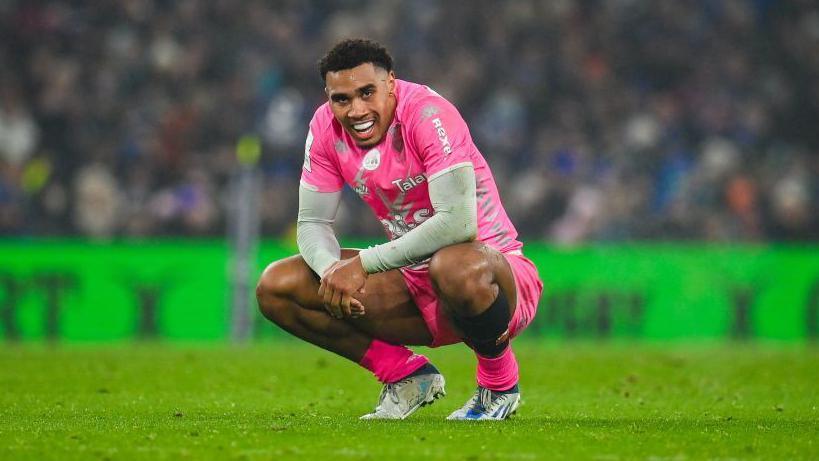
<point x="358" y="108"/>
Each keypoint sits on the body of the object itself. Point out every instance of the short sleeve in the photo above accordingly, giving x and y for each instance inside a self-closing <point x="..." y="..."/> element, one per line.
<point x="441" y="136"/>
<point x="319" y="172"/>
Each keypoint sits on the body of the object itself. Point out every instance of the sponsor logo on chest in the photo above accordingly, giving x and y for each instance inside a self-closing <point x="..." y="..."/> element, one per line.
<point x="406" y="184"/>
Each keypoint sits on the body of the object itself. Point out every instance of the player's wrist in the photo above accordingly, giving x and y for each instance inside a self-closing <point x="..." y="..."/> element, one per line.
<point x="360" y="265"/>
<point x="369" y="260"/>
<point x="328" y="267"/>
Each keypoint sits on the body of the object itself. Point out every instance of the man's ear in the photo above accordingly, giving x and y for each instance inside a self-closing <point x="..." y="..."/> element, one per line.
<point x="391" y="82"/>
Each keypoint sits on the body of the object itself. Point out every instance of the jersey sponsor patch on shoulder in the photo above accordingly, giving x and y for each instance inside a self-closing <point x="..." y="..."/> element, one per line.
<point x="442" y="137"/>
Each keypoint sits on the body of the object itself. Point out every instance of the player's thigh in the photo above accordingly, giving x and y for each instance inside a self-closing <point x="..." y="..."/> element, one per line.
<point x="291" y="279"/>
<point x="390" y="311"/>
<point x="462" y="265"/>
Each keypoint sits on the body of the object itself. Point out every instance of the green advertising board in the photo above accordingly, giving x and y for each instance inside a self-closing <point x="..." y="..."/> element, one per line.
<point x="679" y="291"/>
<point x="80" y="291"/>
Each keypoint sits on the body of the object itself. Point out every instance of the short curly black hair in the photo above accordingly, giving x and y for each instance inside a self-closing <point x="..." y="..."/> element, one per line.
<point x="353" y="52"/>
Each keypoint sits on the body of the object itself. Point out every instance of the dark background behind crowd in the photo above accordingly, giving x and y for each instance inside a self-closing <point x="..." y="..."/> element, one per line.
<point x="602" y="121"/>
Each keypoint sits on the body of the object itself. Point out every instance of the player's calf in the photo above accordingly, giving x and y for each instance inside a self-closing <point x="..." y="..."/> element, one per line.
<point x="475" y="286"/>
<point x="488" y="332"/>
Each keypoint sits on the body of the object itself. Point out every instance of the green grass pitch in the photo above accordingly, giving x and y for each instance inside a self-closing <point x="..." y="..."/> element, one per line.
<point x="286" y="400"/>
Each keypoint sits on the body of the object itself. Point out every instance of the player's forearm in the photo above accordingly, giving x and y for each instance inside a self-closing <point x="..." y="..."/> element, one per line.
<point x="455" y="221"/>
<point x="314" y="230"/>
<point x="415" y="246"/>
<point x="318" y="245"/>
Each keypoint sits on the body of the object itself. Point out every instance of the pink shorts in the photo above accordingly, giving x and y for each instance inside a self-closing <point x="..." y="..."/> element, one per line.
<point x="527" y="282"/>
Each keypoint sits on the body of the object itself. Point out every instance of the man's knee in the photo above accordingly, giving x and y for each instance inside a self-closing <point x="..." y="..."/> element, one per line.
<point x="462" y="275"/>
<point x="464" y="278"/>
<point x="278" y="286"/>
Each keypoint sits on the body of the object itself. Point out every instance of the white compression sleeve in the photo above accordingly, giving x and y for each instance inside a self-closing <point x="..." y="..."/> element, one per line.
<point x="455" y="220"/>
<point x="314" y="229"/>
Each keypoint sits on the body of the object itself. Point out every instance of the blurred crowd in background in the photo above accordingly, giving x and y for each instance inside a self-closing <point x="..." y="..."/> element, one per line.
<point x="602" y="120"/>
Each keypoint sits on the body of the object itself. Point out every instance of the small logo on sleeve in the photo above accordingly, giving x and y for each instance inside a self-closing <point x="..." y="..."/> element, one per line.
<point x="439" y="127"/>
<point x="429" y="111"/>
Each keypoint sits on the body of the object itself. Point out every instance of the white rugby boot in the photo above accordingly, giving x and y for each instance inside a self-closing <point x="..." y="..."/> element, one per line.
<point x="401" y="399"/>
<point x="488" y="405"/>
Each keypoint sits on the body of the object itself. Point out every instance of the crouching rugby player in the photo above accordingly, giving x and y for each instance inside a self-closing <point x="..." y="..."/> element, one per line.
<point x="453" y="270"/>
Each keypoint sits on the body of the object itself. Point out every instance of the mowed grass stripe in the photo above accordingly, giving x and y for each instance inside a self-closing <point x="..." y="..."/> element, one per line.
<point x="286" y="400"/>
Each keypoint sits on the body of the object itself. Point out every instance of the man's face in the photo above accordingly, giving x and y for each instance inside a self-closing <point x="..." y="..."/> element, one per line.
<point x="363" y="101"/>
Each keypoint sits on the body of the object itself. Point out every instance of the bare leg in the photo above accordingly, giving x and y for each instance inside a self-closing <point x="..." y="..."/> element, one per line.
<point x="476" y="286"/>
<point x="288" y="296"/>
<point x="468" y="277"/>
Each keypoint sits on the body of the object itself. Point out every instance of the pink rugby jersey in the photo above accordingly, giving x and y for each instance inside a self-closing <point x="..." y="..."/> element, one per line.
<point x="427" y="138"/>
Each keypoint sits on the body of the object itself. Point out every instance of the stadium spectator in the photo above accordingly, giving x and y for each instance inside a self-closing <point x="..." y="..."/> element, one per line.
<point x="652" y="120"/>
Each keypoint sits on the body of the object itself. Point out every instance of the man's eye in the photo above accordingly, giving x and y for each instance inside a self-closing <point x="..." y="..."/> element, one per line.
<point x="366" y="93"/>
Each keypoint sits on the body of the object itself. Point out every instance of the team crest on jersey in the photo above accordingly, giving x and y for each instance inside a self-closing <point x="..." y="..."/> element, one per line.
<point x="371" y="160"/>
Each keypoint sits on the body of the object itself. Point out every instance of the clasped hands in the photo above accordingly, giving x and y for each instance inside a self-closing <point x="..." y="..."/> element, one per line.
<point x="342" y="281"/>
